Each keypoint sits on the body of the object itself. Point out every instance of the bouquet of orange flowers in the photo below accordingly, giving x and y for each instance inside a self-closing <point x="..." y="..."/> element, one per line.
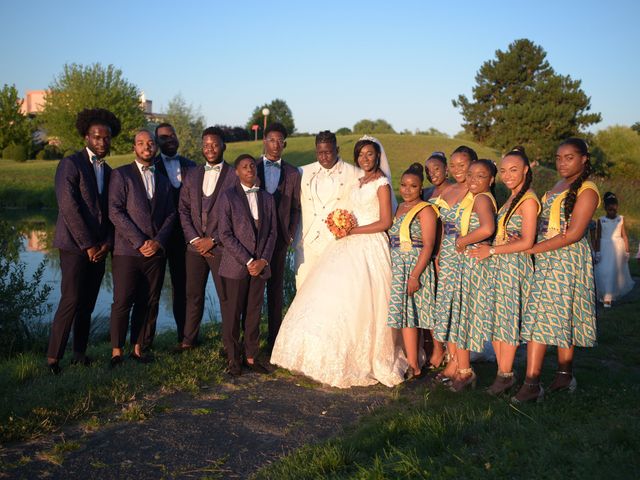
<point x="339" y="222"/>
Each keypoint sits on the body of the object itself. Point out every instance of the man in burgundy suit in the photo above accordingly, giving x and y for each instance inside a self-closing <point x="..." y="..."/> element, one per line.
<point x="142" y="211"/>
<point x="174" y="167"/>
<point x="282" y="180"/>
<point x="84" y="233"/>
<point x="200" y="191"/>
<point x="247" y="228"/>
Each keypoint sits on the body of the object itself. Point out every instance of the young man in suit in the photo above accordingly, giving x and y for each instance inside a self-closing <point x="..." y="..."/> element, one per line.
<point x="84" y="233"/>
<point x="174" y="167"/>
<point x="282" y="180"/>
<point x="247" y="228"/>
<point x="142" y="211"/>
<point x="201" y="189"/>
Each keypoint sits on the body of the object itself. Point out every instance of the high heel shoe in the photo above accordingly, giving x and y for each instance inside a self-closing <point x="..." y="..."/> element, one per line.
<point x="557" y="386"/>
<point x="527" y="394"/>
<point x="502" y="384"/>
<point x="459" y="384"/>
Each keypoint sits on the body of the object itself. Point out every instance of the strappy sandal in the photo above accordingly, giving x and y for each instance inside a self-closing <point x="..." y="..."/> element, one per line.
<point x="458" y="384"/>
<point x="570" y="387"/>
<point x="527" y="387"/>
<point x="502" y="384"/>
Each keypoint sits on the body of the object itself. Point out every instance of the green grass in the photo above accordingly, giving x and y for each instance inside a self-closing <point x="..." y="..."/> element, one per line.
<point x="33" y="402"/>
<point x="594" y="433"/>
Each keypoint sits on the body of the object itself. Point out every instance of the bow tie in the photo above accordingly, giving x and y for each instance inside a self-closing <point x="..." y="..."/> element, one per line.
<point x="252" y="190"/>
<point x="269" y="163"/>
<point x="150" y="168"/>
<point x="215" y="168"/>
<point x="96" y="160"/>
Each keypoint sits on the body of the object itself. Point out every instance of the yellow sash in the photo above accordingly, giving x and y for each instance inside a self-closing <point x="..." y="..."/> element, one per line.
<point x="465" y="209"/>
<point x="405" y="226"/>
<point x="502" y="225"/>
<point x="440" y="203"/>
<point x="554" y="214"/>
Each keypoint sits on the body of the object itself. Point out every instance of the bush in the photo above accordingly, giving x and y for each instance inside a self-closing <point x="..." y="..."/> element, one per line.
<point x="15" y="152"/>
<point x="22" y="301"/>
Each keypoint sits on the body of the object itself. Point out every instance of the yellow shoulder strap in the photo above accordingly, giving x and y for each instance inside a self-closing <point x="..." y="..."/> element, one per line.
<point x="554" y="214"/>
<point x="589" y="185"/>
<point x="466" y="209"/>
<point x="405" y="226"/>
<point x="502" y="225"/>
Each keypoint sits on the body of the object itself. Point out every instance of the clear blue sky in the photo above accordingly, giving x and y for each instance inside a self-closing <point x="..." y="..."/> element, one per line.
<point x="333" y="62"/>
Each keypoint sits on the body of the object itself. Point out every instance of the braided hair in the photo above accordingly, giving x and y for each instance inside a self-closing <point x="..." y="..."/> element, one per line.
<point x="528" y="179"/>
<point x="470" y="152"/>
<point x="493" y="170"/>
<point x="570" y="200"/>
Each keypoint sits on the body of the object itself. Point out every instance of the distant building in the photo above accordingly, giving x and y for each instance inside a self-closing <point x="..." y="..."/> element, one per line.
<point x="33" y="102"/>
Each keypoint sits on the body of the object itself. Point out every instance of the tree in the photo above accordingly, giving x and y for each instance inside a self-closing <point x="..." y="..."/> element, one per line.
<point x="432" y="131"/>
<point x="344" y="131"/>
<point x="234" y="134"/>
<point x="636" y="127"/>
<point x="279" y="111"/>
<point x="188" y="124"/>
<point x="620" y="147"/>
<point x="15" y="128"/>
<point x="94" y="86"/>
<point x="373" y="126"/>
<point x="519" y="99"/>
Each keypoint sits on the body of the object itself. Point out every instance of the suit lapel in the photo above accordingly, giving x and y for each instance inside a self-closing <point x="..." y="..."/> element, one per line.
<point x="88" y="168"/>
<point x="160" y="166"/>
<point x="224" y="171"/>
<point x="141" y="191"/>
<point x="245" y="202"/>
<point x="261" y="168"/>
<point x="261" y="222"/>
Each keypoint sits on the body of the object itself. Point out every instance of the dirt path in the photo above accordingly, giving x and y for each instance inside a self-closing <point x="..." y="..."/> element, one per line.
<point x="226" y="431"/>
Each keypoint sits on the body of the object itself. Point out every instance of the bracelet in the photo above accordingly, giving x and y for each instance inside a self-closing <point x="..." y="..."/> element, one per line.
<point x="411" y="276"/>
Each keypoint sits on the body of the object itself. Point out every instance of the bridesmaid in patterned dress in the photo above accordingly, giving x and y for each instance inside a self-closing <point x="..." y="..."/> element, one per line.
<point x="510" y="268"/>
<point x="469" y="309"/>
<point x="411" y="238"/>
<point x="435" y="169"/>
<point x="561" y="308"/>
<point x="448" y="261"/>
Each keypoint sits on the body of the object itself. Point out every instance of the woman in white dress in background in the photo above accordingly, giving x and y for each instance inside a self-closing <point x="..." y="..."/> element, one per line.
<point x="335" y="331"/>
<point x="612" y="254"/>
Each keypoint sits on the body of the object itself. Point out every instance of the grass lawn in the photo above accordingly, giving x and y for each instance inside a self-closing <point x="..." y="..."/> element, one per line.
<point x="594" y="433"/>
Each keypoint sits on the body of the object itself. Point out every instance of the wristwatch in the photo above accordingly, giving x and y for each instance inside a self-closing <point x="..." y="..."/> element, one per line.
<point x="492" y="251"/>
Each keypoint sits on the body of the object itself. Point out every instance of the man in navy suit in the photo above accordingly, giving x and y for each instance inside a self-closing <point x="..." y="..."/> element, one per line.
<point x="282" y="180"/>
<point x="247" y="228"/>
<point x="143" y="213"/>
<point x="174" y="167"/>
<point x="84" y="233"/>
<point x="200" y="191"/>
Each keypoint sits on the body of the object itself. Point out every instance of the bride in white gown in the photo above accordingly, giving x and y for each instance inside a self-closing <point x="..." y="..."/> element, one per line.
<point x="335" y="330"/>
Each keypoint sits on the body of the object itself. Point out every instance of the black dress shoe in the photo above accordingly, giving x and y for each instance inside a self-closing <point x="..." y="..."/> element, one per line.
<point x="144" y="359"/>
<point x="256" y="367"/>
<point x="54" y="368"/>
<point x="115" y="361"/>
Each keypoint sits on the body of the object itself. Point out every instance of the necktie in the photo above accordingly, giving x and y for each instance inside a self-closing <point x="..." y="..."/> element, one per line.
<point x="150" y="168"/>
<point x="96" y="160"/>
<point x="215" y="168"/>
<point x="252" y="190"/>
<point x="269" y="163"/>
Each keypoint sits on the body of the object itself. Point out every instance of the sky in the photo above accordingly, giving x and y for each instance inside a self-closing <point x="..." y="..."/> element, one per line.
<point x="333" y="62"/>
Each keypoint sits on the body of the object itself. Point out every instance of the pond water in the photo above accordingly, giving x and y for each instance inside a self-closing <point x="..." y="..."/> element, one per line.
<point x="36" y="229"/>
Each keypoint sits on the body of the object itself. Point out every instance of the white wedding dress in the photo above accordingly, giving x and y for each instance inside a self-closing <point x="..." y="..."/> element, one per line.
<point x="336" y="328"/>
<point x="612" y="271"/>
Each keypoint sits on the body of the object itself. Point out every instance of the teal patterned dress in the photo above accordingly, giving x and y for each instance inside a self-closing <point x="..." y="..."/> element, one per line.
<point x="462" y="302"/>
<point x="510" y="280"/>
<point x="561" y="308"/>
<point x="409" y="310"/>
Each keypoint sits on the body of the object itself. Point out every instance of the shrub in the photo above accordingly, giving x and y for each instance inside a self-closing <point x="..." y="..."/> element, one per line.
<point x="15" y="152"/>
<point x="22" y="301"/>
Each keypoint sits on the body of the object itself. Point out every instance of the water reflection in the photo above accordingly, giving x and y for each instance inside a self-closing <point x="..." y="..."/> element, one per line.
<point x="36" y="229"/>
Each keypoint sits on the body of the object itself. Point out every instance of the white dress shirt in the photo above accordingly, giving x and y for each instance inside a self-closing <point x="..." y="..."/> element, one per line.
<point x="149" y="180"/>
<point x="211" y="179"/>
<point x="172" y="164"/>
<point x="325" y="184"/>
<point x="271" y="174"/>
<point x="252" y="198"/>
<point x="98" y="168"/>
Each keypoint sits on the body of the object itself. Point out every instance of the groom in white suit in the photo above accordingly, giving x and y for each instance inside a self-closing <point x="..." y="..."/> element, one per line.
<point x="326" y="185"/>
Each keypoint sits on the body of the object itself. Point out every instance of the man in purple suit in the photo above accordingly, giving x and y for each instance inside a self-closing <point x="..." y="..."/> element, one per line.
<point x="142" y="211"/>
<point x="247" y="228"/>
<point x="282" y="180"/>
<point x="84" y="233"/>
<point x="200" y="191"/>
<point x="175" y="167"/>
